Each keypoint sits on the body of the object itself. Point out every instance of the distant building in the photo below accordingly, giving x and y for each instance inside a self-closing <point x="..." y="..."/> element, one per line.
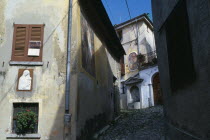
<point x="183" y="37"/>
<point x="34" y="77"/>
<point x="140" y="76"/>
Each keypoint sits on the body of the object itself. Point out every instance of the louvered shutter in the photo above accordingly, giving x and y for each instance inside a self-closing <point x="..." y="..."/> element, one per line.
<point x="20" y="42"/>
<point x="23" y="35"/>
<point x="35" y="35"/>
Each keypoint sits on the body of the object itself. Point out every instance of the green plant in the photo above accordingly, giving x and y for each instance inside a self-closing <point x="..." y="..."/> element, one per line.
<point x="26" y="121"/>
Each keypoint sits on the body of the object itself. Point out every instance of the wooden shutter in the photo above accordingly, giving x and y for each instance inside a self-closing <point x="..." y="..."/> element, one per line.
<point x="20" y="42"/>
<point x="36" y="33"/>
<point x="23" y="34"/>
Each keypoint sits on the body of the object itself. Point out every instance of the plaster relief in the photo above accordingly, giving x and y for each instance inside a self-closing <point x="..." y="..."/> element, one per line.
<point x="25" y="80"/>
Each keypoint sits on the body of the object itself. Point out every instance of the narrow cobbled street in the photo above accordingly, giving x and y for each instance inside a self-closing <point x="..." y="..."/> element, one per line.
<point x="146" y="124"/>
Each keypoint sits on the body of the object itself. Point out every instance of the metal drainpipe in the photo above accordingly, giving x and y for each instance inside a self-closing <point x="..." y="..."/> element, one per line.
<point x="137" y="32"/>
<point x="67" y="117"/>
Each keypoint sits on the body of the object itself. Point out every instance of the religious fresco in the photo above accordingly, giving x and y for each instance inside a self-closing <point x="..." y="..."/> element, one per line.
<point x="88" y="57"/>
<point x="133" y="61"/>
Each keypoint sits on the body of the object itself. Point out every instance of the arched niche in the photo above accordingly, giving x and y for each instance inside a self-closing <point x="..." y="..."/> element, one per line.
<point x="134" y="91"/>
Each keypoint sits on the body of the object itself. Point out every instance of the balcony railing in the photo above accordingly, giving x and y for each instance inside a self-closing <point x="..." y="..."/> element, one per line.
<point x="146" y="60"/>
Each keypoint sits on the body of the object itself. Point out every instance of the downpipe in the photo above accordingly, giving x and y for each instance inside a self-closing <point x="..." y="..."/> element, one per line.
<point x="67" y="116"/>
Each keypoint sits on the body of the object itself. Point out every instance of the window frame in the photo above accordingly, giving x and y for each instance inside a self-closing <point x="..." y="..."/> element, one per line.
<point x="26" y="104"/>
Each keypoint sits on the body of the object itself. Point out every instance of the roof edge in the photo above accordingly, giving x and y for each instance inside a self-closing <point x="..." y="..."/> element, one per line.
<point x="135" y="19"/>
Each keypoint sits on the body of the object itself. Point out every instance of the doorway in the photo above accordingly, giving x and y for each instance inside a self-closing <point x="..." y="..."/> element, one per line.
<point x="158" y="96"/>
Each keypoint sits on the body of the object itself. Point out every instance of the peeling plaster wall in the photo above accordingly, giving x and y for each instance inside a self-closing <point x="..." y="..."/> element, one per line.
<point x="95" y="95"/>
<point x="49" y="79"/>
<point x="92" y="98"/>
<point x="2" y="21"/>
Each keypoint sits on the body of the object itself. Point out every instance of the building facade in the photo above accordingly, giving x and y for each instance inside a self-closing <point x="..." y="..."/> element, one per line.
<point x="34" y="40"/>
<point x="182" y="38"/>
<point x="139" y="65"/>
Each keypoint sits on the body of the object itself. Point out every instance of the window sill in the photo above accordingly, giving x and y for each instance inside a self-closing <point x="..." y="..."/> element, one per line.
<point x="26" y="63"/>
<point x="26" y="136"/>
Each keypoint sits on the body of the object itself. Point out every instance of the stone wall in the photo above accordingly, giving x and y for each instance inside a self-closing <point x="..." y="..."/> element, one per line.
<point x="186" y="109"/>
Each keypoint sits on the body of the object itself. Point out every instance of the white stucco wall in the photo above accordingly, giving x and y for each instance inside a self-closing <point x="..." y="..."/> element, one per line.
<point x="145" y="45"/>
<point x="137" y="105"/>
<point x="145" y="90"/>
<point x="146" y="86"/>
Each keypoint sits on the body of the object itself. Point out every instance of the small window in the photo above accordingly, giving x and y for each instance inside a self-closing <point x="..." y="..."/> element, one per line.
<point x="27" y="43"/>
<point x="122" y="64"/>
<point x="25" y="109"/>
<point x="179" y="48"/>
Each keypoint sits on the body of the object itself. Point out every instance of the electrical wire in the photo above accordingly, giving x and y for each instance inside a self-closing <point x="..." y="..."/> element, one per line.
<point x="110" y="10"/>
<point x="126" y="2"/>
<point x="136" y="32"/>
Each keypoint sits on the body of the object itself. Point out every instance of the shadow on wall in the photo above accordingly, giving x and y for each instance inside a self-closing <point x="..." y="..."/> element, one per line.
<point x="94" y="105"/>
<point x="96" y="98"/>
<point x="148" y="47"/>
<point x="58" y="130"/>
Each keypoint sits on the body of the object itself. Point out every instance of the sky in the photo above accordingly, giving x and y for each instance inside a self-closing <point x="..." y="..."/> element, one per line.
<point x="118" y="12"/>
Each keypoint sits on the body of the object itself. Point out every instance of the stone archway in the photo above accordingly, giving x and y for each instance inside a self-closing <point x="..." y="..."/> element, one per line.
<point x="158" y="97"/>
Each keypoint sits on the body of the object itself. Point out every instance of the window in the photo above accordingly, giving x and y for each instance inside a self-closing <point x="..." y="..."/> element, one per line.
<point x="21" y="107"/>
<point x="122" y="64"/>
<point x="27" y="43"/>
<point x="179" y="47"/>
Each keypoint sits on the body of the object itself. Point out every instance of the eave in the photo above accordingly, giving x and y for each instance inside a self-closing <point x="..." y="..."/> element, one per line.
<point x="98" y="19"/>
<point x="142" y="17"/>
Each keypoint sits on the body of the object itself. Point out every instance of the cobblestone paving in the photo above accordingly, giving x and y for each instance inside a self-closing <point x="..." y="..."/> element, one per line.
<point x="146" y="124"/>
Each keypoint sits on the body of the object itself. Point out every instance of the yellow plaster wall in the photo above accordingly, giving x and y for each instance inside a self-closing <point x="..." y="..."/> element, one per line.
<point x="93" y="94"/>
<point x="49" y="79"/>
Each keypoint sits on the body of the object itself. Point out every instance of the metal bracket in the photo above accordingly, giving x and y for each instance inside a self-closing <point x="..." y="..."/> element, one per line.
<point x="67" y="118"/>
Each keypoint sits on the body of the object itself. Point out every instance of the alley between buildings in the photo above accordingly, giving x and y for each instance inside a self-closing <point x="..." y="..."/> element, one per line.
<point x="145" y="124"/>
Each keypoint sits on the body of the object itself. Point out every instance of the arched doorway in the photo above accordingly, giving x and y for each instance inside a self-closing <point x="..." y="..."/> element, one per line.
<point x="158" y="97"/>
<point x="135" y="94"/>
